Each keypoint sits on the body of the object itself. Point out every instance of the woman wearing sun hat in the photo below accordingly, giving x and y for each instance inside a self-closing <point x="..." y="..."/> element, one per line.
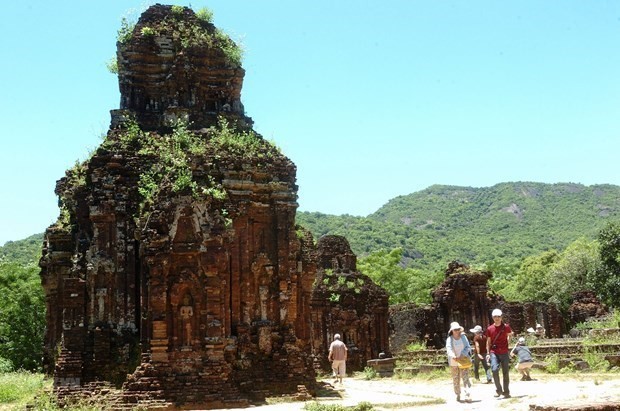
<point x="458" y="348"/>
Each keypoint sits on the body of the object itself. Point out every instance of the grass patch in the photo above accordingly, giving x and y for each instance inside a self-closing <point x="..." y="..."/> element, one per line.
<point x="426" y="375"/>
<point x="433" y="375"/>
<point x="597" y="362"/>
<point x="370" y="373"/>
<point x="553" y="364"/>
<point x="315" y="406"/>
<point x="416" y="346"/>
<point x="33" y="391"/>
<point x="403" y="375"/>
<point x="19" y="388"/>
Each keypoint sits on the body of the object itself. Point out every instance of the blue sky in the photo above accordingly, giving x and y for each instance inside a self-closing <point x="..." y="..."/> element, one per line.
<point x="371" y="99"/>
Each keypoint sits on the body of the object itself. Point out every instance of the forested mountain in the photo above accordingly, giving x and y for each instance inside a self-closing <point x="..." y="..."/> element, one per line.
<point x="23" y="251"/>
<point x="505" y="222"/>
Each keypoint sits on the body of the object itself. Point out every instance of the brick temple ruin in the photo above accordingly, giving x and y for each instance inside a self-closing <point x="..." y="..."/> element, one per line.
<point x="346" y="301"/>
<point x="175" y="271"/>
<point x="464" y="296"/>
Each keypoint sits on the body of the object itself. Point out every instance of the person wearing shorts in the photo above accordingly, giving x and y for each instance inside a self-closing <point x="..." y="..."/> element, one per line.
<point x="338" y="357"/>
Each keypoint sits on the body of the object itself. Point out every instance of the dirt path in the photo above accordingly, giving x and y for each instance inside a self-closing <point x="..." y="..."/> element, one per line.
<point x="418" y="395"/>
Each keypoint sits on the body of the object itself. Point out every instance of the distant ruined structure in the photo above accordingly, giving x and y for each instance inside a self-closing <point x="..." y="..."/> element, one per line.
<point x="175" y="271"/>
<point x="347" y="302"/>
<point x="585" y="305"/>
<point x="464" y="296"/>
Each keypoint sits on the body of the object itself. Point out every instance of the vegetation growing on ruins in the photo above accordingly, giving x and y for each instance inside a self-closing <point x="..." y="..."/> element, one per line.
<point x="112" y="65"/>
<point x="187" y="33"/>
<point x="206" y="15"/>
<point x="336" y="283"/>
<point x="172" y="155"/>
<point x="124" y="32"/>
<point x="74" y="180"/>
<point x="147" y="31"/>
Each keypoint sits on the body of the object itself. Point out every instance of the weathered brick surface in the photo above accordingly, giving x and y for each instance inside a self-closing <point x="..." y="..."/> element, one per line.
<point x="585" y="305"/>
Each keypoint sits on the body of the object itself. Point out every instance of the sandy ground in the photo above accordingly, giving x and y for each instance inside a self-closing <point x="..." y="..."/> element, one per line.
<point x="419" y="395"/>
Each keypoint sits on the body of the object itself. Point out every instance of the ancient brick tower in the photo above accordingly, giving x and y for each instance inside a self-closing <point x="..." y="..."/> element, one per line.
<point x="175" y="271"/>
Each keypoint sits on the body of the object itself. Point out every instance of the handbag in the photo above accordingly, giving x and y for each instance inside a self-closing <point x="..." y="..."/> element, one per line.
<point x="464" y="362"/>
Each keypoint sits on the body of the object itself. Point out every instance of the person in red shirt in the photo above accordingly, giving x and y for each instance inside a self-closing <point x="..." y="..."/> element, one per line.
<point x="498" y="336"/>
<point x="480" y="353"/>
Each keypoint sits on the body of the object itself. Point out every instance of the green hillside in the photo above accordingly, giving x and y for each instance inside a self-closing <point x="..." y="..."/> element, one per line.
<point x="507" y="221"/>
<point x="23" y="251"/>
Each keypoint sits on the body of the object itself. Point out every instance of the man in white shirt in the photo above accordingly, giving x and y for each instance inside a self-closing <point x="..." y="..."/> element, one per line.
<point x="338" y="357"/>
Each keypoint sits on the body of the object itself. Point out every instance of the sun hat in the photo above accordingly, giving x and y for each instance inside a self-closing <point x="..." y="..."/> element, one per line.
<point x="336" y="336"/>
<point x="496" y="313"/>
<point x="455" y="326"/>
<point x="521" y="340"/>
<point x="477" y="329"/>
<point x="538" y="326"/>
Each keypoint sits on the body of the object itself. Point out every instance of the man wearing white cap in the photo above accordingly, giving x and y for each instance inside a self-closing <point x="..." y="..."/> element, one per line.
<point x="498" y="335"/>
<point x="338" y="357"/>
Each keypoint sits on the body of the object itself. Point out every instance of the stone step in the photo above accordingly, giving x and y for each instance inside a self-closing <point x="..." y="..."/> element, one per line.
<point x="420" y="355"/>
<point x="610" y="348"/>
<point x="407" y="371"/>
<point x="557" y="341"/>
